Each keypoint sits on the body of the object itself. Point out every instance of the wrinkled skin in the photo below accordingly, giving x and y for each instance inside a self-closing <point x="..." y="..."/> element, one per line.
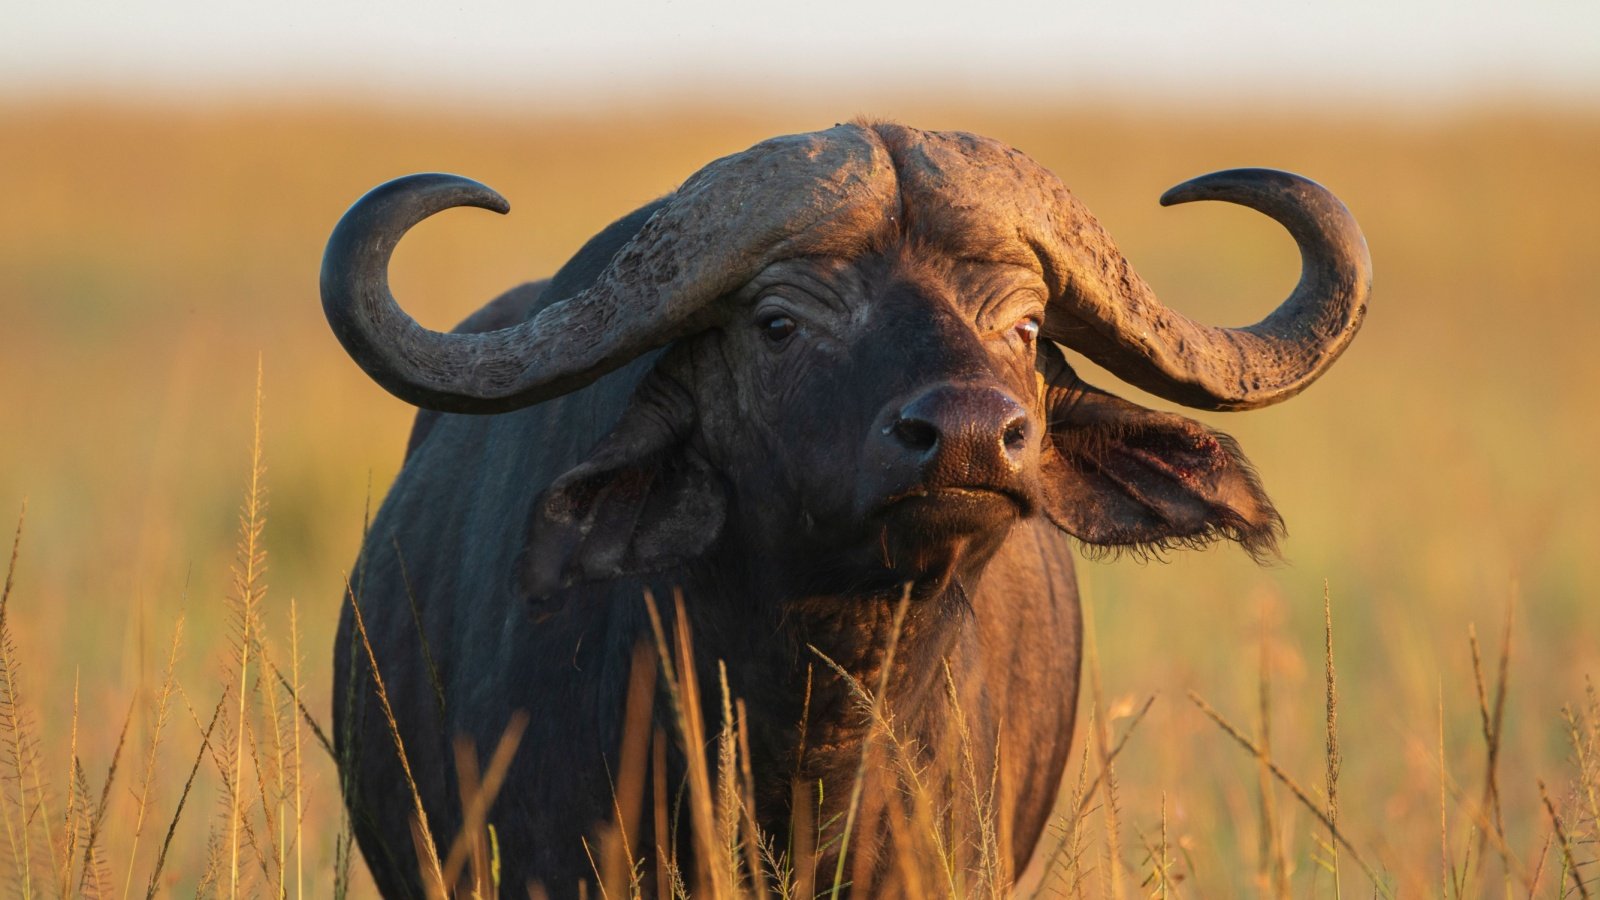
<point x="868" y="421"/>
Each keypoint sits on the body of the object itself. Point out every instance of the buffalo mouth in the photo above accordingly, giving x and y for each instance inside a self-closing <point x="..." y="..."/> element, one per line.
<point x="952" y="510"/>
<point x="927" y="536"/>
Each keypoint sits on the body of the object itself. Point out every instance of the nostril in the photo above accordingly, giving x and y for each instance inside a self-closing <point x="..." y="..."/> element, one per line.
<point x="1015" y="435"/>
<point x="915" y="434"/>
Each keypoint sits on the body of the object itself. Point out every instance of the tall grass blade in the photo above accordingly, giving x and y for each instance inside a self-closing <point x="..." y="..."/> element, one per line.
<point x="93" y="864"/>
<point x="147" y="782"/>
<point x="433" y="873"/>
<point x="1570" y="862"/>
<point x="1272" y="868"/>
<point x="1102" y="741"/>
<point x="873" y="701"/>
<point x="13" y="721"/>
<point x="247" y="593"/>
<point x="172" y="827"/>
<point x="480" y="801"/>
<point x="1294" y="787"/>
<point x="299" y="770"/>
<point x="1333" y="760"/>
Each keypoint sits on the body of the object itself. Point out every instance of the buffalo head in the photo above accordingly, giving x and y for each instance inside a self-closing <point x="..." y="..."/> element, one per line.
<point x="864" y="385"/>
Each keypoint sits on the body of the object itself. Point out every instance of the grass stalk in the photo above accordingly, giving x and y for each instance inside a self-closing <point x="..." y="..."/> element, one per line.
<point x="682" y="683"/>
<point x="247" y="591"/>
<point x="280" y="777"/>
<point x="1538" y="865"/>
<point x="1481" y="823"/>
<point x="728" y="813"/>
<point x="665" y="860"/>
<point x="1294" y="787"/>
<point x="69" y="822"/>
<point x="858" y="786"/>
<point x="299" y="769"/>
<point x="1491" y="715"/>
<point x="269" y="857"/>
<point x="993" y="867"/>
<point x="93" y="863"/>
<point x="422" y="637"/>
<point x="12" y="720"/>
<point x="468" y="844"/>
<point x="1570" y="863"/>
<point x="147" y="781"/>
<point x="183" y="798"/>
<point x="1444" y="818"/>
<point x="428" y="851"/>
<point x="79" y="826"/>
<point x="752" y="832"/>
<point x="1065" y="858"/>
<point x="1272" y="868"/>
<point x="306" y="718"/>
<point x="1333" y="760"/>
<point x="1100" y="734"/>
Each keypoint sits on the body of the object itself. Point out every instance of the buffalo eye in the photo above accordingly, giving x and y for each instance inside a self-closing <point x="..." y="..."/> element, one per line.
<point x="1028" y="329"/>
<point x="777" y="328"/>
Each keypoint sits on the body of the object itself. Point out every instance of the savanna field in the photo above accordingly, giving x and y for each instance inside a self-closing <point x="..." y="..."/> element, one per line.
<point x="1438" y="483"/>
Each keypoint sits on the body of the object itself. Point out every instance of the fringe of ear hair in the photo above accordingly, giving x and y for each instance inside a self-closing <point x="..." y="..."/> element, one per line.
<point x="1258" y="539"/>
<point x="1261" y="543"/>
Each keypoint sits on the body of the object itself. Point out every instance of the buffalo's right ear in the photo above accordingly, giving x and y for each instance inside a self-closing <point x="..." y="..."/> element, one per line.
<point x="643" y="502"/>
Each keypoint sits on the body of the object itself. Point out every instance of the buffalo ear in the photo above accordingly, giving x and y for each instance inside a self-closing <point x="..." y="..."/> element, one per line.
<point x="643" y="502"/>
<point x="1118" y="475"/>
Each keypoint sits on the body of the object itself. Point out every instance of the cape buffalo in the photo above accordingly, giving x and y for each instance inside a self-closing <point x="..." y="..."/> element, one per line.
<point x="824" y="374"/>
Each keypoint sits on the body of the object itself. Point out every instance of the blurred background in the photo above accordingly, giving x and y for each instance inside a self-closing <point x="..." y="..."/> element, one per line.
<point x="170" y="170"/>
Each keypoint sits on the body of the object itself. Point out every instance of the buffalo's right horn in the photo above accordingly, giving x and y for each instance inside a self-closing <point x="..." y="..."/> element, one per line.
<point x="784" y="197"/>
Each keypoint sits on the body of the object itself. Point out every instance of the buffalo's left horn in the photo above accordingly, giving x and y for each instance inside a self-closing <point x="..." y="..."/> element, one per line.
<point x="785" y="197"/>
<point x="1111" y="315"/>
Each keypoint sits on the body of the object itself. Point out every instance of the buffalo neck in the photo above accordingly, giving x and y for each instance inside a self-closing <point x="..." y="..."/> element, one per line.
<point x="805" y="664"/>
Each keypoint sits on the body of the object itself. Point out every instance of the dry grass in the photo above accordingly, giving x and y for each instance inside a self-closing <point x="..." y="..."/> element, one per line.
<point x="148" y="256"/>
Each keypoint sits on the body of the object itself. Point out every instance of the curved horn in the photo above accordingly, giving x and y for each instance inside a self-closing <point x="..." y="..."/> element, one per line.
<point x="1111" y="315"/>
<point x="784" y="197"/>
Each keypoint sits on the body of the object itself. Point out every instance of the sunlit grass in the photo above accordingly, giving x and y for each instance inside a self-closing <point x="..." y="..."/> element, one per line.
<point x="1440" y="476"/>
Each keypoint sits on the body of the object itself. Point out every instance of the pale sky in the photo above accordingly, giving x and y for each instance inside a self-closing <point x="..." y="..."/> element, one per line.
<point x="543" y="51"/>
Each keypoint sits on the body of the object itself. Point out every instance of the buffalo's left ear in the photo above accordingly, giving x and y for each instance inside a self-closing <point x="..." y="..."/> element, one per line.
<point x="1119" y="475"/>
<point x="643" y="502"/>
